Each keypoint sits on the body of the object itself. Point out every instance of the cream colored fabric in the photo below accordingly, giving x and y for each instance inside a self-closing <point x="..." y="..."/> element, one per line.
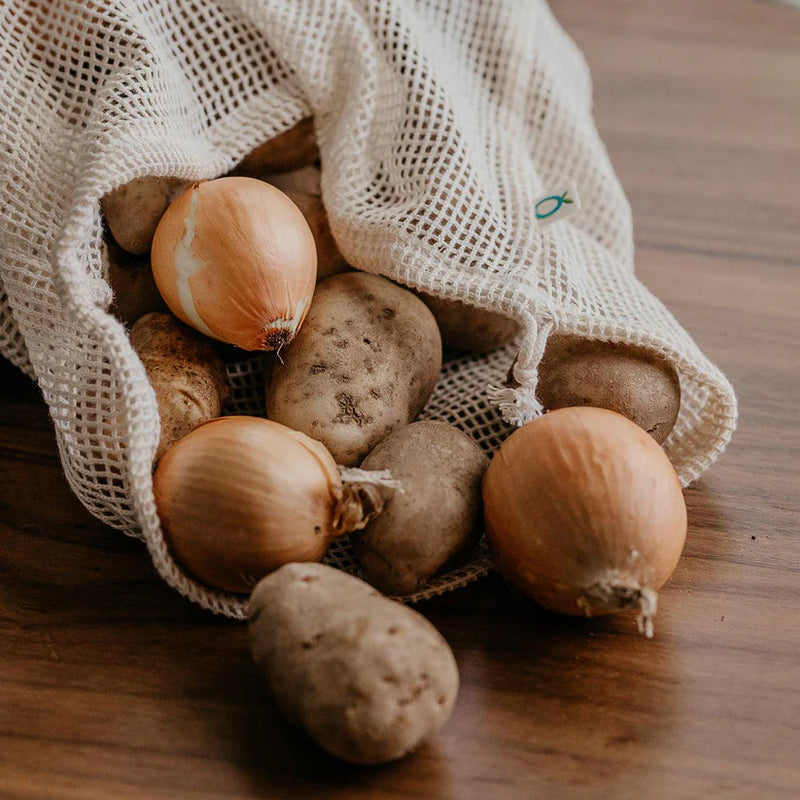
<point x="439" y="124"/>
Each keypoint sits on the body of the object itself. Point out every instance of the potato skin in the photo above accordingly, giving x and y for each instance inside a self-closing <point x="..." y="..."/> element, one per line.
<point x="367" y="678"/>
<point x="307" y="180"/>
<point x="467" y="329"/>
<point x="364" y="364"/>
<point x="131" y="280"/>
<point x="290" y="150"/>
<point x="329" y="260"/>
<point x="633" y="381"/>
<point x="439" y="513"/>
<point x="133" y="211"/>
<point x="186" y="372"/>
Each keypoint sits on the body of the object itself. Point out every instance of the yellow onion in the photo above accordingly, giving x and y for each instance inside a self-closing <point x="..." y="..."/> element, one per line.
<point x="584" y="513"/>
<point x="239" y="497"/>
<point x="235" y="259"/>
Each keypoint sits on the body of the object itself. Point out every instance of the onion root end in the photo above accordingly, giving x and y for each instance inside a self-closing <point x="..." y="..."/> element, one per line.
<point x="611" y="595"/>
<point x="362" y="496"/>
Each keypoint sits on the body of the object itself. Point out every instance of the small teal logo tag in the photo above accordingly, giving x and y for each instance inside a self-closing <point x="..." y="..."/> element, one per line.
<point x="553" y="207"/>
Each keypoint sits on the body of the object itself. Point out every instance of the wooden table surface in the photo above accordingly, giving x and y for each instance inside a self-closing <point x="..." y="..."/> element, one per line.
<point x="112" y="686"/>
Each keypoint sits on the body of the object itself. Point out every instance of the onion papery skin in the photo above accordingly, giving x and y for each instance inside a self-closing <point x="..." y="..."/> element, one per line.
<point x="239" y="497"/>
<point x="235" y="259"/>
<point x="584" y="512"/>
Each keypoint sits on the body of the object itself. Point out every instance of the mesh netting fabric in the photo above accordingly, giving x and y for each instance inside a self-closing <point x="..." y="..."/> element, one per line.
<point x="439" y="124"/>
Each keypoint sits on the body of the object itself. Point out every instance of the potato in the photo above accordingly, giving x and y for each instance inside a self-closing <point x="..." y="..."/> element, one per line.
<point x="438" y="514"/>
<point x="367" y="678"/>
<point x="290" y="150"/>
<point x="131" y="281"/>
<point x="468" y="329"/>
<point x="633" y="381"/>
<point x="329" y="260"/>
<point x="364" y="364"/>
<point x="186" y="372"/>
<point x="133" y="211"/>
<point x="303" y="181"/>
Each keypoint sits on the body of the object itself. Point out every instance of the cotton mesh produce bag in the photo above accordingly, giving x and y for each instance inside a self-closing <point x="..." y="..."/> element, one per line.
<point x="439" y="123"/>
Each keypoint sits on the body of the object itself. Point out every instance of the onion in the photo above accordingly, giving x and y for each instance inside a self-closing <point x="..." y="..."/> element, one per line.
<point x="239" y="497"/>
<point x="235" y="259"/>
<point x="584" y="513"/>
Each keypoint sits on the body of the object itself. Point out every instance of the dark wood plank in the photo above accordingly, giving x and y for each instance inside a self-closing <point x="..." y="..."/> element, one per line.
<point x="113" y="686"/>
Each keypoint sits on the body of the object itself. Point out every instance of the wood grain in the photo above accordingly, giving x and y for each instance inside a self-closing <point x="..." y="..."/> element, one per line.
<point x="113" y="686"/>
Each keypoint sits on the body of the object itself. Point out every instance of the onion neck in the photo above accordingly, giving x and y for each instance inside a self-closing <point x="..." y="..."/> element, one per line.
<point x="616" y="594"/>
<point x="361" y="497"/>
